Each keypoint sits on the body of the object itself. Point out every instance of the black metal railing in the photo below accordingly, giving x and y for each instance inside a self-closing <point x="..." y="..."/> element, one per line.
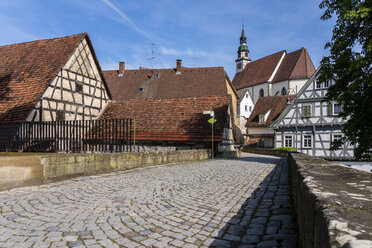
<point x="113" y="135"/>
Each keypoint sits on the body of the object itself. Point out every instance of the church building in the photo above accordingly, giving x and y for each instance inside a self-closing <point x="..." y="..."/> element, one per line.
<point x="280" y="73"/>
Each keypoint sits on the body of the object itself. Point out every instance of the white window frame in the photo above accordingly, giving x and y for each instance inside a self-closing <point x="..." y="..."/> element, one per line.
<point x="245" y="108"/>
<point x="261" y="119"/>
<point x="333" y="137"/>
<point x="331" y="112"/>
<point x="336" y="134"/>
<point x="303" y="110"/>
<point x="318" y="85"/>
<point x="327" y="83"/>
<point x="307" y="140"/>
<point x="290" y="140"/>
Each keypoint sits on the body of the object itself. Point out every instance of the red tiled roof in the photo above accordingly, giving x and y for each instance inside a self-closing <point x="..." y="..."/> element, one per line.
<point x="258" y="71"/>
<point x="26" y="70"/>
<point x="178" y="119"/>
<point x="295" y="65"/>
<point x="165" y="83"/>
<point x="276" y="104"/>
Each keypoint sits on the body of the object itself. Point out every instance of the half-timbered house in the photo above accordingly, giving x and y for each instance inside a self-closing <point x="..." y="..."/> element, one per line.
<point x="54" y="79"/>
<point x="310" y="124"/>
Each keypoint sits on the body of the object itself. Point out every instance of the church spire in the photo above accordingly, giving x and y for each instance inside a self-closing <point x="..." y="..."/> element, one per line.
<point x="243" y="52"/>
<point x="243" y="38"/>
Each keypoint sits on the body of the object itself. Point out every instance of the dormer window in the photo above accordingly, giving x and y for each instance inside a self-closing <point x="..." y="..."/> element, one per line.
<point x="261" y="118"/>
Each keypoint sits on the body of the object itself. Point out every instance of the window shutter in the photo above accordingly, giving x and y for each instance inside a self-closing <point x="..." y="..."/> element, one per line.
<point x="306" y="111"/>
<point x="330" y="109"/>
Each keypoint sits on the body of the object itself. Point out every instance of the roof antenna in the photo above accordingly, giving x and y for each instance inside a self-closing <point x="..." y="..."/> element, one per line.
<point x="153" y="44"/>
<point x="194" y="59"/>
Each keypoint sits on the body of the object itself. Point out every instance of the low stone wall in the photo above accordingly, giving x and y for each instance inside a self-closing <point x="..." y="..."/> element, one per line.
<point x="333" y="203"/>
<point x="17" y="171"/>
<point x="266" y="151"/>
<point x="20" y="171"/>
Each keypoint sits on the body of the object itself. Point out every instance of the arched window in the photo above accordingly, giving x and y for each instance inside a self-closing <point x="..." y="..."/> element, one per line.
<point x="284" y="91"/>
<point x="261" y="93"/>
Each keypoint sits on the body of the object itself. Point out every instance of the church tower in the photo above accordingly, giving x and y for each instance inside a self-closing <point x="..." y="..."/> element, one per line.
<point x="243" y="52"/>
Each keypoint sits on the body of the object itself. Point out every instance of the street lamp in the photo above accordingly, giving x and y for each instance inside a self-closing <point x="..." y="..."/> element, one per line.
<point x="211" y="120"/>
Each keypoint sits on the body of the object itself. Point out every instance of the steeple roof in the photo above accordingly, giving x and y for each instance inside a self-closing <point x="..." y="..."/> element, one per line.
<point x="243" y="34"/>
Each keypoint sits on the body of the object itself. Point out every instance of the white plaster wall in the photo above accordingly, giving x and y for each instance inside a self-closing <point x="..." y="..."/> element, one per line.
<point x="278" y="87"/>
<point x="256" y="91"/>
<point x="246" y="101"/>
<point x="299" y="83"/>
<point x="259" y="130"/>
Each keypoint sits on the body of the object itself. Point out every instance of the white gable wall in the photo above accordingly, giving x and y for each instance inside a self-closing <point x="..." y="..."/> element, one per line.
<point x="296" y="85"/>
<point x="246" y="105"/>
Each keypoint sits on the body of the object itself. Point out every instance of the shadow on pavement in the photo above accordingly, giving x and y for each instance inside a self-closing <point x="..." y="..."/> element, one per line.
<point x="265" y="218"/>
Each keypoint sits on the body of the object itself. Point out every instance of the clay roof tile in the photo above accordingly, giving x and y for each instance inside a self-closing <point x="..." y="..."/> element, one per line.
<point x="26" y="71"/>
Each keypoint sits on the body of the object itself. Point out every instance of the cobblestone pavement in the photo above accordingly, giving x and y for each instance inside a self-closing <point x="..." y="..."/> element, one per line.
<point x="220" y="203"/>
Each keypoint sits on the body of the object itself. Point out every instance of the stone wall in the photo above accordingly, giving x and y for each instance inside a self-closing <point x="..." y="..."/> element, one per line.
<point x="18" y="171"/>
<point x="266" y="151"/>
<point x="333" y="203"/>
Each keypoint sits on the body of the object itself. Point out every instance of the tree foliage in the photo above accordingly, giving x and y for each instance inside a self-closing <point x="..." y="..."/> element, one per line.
<point x="349" y="64"/>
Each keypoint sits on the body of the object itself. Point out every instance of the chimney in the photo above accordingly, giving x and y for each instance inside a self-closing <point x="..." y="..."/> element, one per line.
<point x="121" y="68"/>
<point x="178" y="69"/>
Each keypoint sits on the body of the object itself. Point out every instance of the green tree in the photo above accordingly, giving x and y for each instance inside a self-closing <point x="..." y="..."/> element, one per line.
<point x="349" y="64"/>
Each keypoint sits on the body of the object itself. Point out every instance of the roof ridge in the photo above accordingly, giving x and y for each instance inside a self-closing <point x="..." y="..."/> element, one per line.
<point x="172" y="98"/>
<point x="172" y="68"/>
<point x="84" y="33"/>
<point x="268" y="56"/>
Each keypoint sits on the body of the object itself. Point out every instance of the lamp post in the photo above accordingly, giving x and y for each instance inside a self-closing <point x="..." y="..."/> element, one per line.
<point x="211" y="120"/>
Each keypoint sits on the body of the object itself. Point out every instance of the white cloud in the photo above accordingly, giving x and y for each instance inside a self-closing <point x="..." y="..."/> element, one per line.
<point x="126" y="20"/>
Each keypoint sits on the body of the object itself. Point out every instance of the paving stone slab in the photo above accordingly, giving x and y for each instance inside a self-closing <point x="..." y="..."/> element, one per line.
<point x="219" y="203"/>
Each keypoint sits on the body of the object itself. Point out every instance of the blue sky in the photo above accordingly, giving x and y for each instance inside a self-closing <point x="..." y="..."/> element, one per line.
<point x="201" y="33"/>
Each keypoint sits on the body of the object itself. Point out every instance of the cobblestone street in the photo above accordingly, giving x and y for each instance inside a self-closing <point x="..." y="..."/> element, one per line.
<point x="221" y="203"/>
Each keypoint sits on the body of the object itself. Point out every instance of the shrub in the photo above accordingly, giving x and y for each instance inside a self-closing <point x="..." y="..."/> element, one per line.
<point x="285" y="149"/>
